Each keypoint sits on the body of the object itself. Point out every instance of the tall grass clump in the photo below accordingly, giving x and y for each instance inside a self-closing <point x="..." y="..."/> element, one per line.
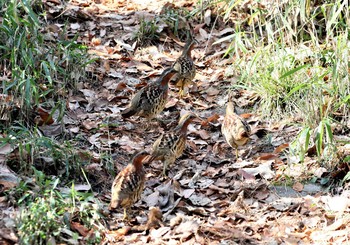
<point x="295" y="56"/>
<point x="37" y="70"/>
<point x="52" y="214"/>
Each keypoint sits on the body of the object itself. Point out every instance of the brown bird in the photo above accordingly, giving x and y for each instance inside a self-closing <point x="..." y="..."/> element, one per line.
<point x="170" y="145"/>
<point x="185" y="67"/>
<point x="235" y="129"/>
<point x="151" y="99"/>
<point x="128" y="184"/>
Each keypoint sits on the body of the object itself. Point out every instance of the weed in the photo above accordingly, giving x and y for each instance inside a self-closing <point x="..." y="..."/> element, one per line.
<point x="44" y="153"/>
<point x="295" y="57"/>
<point x="176" y="20"/>
<point x="47" y="216"/>
<point x="38" y="69"/>
<point x="147" y="32"/>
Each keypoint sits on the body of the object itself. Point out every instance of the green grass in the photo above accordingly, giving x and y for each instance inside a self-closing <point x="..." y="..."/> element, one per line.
<point x="41" y="71"/>
<point x="170" y="20"/>
<point x="147" y="33"/>
<point x="295" y="57"/>
<point x="47" y="214"/>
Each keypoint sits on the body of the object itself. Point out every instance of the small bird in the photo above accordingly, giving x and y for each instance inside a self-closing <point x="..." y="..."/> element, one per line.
<point x="128" y="185"/>
<point x="170" y="145"/>
<point x="235" y="129"/>
<point x="185" y="67"/>
<point x="151" y="99"/>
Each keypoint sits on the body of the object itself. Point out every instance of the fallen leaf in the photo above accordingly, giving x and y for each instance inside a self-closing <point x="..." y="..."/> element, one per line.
<point x="207" y="17"/>
<point x="6" y="149"/>
<point x="188" y="192"/>
<point x="75" y="26"/>
<point x="298" y="186"/>
<point x="263" y="170"/>
<point x="210" y="119"/>
<point x="199" y="200"/>
<point x="81" y="229"/>
<point x="203" y="134"/>
<point x="8" y="179"/>
<point x="246" y="175"/>
<point x="281" y="148"/>
<point x="211" y="91"/>
<point x="267" y="156"/>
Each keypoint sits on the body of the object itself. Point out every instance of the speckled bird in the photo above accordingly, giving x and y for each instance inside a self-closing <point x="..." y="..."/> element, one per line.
<point x="151" y="99"/>
<point x="185" y="67"/>
<point x="128" y="185"/>
<point x="234" y="128"/>
<point x="170" y="145"/>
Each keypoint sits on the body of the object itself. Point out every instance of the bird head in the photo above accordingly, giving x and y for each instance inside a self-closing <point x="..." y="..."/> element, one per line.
<point x="166" y="75"/>
<point x="140" y="158"/>
<point x="185" y="120"/>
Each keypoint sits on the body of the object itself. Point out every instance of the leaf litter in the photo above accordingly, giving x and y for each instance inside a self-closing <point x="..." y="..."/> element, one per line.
<point x="211" y="197"/>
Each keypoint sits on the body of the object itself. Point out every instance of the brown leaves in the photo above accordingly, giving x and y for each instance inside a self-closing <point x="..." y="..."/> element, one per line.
<point x="210" y="195"/>
<point x="8" y="179"/>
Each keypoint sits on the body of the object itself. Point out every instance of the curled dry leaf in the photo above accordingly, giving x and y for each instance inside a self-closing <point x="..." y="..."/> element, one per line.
<point x="281" y="148"/>
<point x="121" y="232"/>
<point x="81" y="229"/>
<point x="267" y="156"/>
<point x="210" y="119"/>
<point x="207" y="17"/>
<point x="298" y="186"/>
<point x="8" y="179"/>
<point x="44" y="117"/>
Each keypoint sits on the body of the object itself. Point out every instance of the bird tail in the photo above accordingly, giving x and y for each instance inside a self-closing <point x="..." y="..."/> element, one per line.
<point x="128" y="113"/>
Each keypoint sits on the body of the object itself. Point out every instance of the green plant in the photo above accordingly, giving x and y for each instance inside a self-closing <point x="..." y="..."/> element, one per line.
<point x="45" y="153"/>
<point x="176" y="20"/>
<point x="40" y="222"/>
<point x="295" y="58"/>
<point x="322" y="139"/>
<point x="46" y="215"/>
<point x="147" y="32"/>
<point x="39" y="69"/>
<point x="301" y="144"/>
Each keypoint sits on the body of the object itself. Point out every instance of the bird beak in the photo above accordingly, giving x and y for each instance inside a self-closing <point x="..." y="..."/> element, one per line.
<point x="198" y="118"/>
<point x="149" y="158"/>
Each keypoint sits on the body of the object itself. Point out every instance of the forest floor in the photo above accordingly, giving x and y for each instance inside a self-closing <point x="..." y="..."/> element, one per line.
<point x="210" y="197"/>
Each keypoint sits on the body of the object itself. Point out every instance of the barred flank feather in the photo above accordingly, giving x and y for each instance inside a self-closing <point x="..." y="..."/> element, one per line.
<point x="169" y="146"/>
<point x="150" y="100"/>
<point x="128" y="184"/>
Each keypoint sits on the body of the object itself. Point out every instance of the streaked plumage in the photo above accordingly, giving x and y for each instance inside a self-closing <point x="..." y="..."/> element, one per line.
<point x="185" y="67"/>
<point x="128" y="184"/>
<point x="170" y="145"/>
<point x="235" y="129"/>
<point x="151" y="99"/>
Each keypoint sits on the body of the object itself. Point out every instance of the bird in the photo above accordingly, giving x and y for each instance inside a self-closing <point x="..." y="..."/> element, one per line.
<point x="128" y="185"/>
<point x="234" y="128"/>
<point x="185" y="67"/>
<point x="151" y="99"/>
<point x="170" y="145"/>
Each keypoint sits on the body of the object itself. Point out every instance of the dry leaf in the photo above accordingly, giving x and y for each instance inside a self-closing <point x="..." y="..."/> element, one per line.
<point x="298" y="186"/>
<point x="81" y="229"/>
<point x="281" y="148"/>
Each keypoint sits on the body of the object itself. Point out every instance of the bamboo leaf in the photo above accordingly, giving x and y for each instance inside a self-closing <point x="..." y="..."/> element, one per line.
<point x="288" y="73"/>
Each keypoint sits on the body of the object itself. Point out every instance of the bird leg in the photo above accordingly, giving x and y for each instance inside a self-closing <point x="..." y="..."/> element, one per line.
<point x="148" y="124"/>
<point x="164" y="170"/>
<point x="125" y="217"/>
<point x="181" y="92"/>
<point x="236" y="152"/>
<point x="166" y="163"/>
